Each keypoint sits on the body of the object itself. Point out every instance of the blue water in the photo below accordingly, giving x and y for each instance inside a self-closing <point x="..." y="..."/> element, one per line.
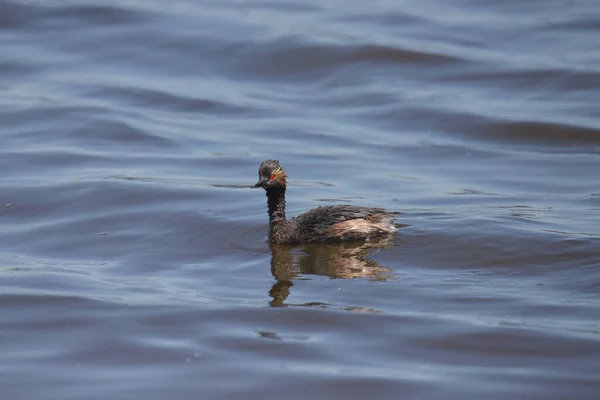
<point x="133" y="260"/>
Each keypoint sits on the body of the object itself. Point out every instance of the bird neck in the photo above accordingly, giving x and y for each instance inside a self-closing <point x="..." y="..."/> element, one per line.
<point x="276" y="205"/>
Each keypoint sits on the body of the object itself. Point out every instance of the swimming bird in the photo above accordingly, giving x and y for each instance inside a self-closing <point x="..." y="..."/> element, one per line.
<point x="322" y="224"/>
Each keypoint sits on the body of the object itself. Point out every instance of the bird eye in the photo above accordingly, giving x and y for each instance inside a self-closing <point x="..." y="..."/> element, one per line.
<point x="272" y="176"/>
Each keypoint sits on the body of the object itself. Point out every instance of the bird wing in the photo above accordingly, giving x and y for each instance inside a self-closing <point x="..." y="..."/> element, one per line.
<point x="317" y="222"/>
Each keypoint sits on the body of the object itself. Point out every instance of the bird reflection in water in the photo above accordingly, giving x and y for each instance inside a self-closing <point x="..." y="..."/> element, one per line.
<point x="341" y="260"/>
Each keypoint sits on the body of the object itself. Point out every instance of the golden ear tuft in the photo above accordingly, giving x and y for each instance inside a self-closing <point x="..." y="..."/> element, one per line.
<point x="279" y="173"/>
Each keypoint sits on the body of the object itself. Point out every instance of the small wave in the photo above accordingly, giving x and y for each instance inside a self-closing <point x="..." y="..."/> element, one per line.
<point x="158" y="99"/>
<point x="518" y="134"/>
<point x="288" y="58"/>
<point x="566" y="138"/>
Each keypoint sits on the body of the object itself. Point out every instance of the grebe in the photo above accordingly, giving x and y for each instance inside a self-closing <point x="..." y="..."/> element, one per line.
<point x="319" y="225"/>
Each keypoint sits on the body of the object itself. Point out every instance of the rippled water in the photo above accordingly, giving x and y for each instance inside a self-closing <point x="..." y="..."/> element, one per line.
<point x="133" y="261"/>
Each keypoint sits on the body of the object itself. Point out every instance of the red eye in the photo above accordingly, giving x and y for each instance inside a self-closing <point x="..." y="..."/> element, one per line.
<point x="272" y="176"/>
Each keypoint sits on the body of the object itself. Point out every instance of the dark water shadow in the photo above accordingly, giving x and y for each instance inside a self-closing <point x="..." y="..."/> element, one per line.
<point x="340" y="260"/>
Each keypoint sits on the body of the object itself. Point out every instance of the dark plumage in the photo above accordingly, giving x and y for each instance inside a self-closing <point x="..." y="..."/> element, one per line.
<point x="321" y="224"/>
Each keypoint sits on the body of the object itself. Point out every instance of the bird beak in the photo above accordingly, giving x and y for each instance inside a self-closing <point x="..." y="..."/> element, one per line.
<point x="260" y="183"/>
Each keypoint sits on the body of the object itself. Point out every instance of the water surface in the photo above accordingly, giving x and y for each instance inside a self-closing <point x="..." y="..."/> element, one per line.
<point x="133" y="260"/>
